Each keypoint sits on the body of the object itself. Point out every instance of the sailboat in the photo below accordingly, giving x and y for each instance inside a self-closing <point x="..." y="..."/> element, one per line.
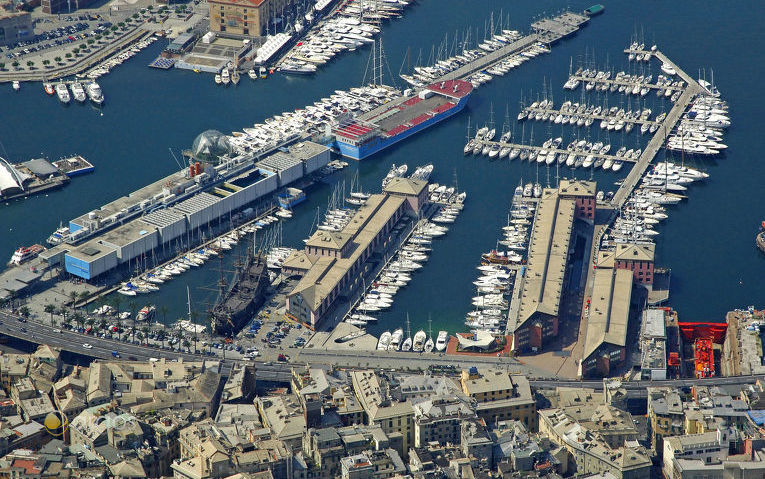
<point x="429" y="345"/>
<point x="407" y="345"/>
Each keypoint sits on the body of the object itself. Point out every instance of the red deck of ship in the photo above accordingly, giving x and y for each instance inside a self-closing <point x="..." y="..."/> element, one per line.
<point x="354" y="130"/>
<point x="452" y="88"/>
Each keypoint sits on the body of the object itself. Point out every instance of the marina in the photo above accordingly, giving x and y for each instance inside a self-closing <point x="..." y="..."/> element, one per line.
<point x="486" y="170"/>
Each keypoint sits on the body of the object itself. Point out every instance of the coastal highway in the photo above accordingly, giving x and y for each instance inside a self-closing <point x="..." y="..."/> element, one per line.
<point x="40" y="333"/>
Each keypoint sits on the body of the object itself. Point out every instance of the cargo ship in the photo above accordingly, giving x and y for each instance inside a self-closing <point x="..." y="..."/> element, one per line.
<point x="237" y="305"/>
<point x="364" y="135"/>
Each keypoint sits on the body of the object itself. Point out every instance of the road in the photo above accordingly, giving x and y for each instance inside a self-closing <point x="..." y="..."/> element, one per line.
<point x="41" y="333"/>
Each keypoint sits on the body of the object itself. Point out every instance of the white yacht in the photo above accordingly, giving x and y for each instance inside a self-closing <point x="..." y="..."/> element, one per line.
<point x="62" y="92"/>
<point x="442" y="340"/>
<point x="78" y="91"/>
<point x="225" y="76"/>
<point x="94" y="93"/>
<point x="419" y="341"/>
<point x="382" y="344"/>
<point x="395" y="340"/>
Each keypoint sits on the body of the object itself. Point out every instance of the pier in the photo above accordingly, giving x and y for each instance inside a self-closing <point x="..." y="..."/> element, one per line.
<point x="625" y="83"/>
<point x="557" y="151"/>
<point x="653" y="146"/>
<point x="491" y="59"/>
<point x="81" y="64"/>
<point x="552" y="114"/>
<point x="548" y="30"/>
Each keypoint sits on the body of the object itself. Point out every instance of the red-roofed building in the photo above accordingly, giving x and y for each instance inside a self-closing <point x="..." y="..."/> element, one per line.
<point x="244" y="17"/>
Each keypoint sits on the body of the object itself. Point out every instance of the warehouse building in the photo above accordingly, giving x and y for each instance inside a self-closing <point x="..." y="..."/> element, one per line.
<point x="154" y="232"/>
<point x="542" y="290"/>
<point x="607" y="322"/>
<point x="332" y="263"/>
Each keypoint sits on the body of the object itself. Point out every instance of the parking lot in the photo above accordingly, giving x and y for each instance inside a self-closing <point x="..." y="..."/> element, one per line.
<point x="58" y="34"/>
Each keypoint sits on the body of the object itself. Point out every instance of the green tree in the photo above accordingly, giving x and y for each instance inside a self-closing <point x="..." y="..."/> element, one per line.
<point x="91" y="323"/>
<point x="146" y="330"/>
<point x="91" y="41"/>
<point x="76" y="50"/>
<point x="24" y="311"/>
<point x="2" y="66"/>
<point x="73" y="298"/>
<point x="161" y="336"/>
<point x="57" y="59"/>
<point x="30" y="63"/>
<point x="68" y="55"/>
<point x="102" y="325"/>
<point x="79" y="319"/>
<point x="15" y="64"/>
<point x="50" y="309"/>
<point x="132" y="316"/>
<point x="46" y="62"/>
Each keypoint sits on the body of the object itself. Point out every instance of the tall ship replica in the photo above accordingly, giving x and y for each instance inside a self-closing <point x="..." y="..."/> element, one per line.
<point x="363" y="135"/>
<point x="237" y="304"/>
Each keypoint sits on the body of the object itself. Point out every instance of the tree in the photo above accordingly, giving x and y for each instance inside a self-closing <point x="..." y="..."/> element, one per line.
<point x="146" y="330"/>
<point x="2" y="66"/>
<point x="15" y="64"/>
<point x="102" y="325"/>
<point x="68" y="56"/>
<point x="91" y="41"/>
<point x="79" y="319"/>
<point x="50" y="309"/>
<point x="30" y="63"/>
<point x="76" y="50"/>
<point x="91" y="322"/>
<point x="46" y="62"/>
<point x="24" y="311"/>
<point x="132" y="316"/>
<point x="58" y="59"/>
<point x="161" y="337"/>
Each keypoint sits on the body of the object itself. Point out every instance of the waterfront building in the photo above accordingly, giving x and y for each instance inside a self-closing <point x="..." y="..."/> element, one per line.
<point x="63" y="6"/>
<point x="14" y="26"/>
<point x="653" y="345"/>
<point x="607" y="322"/>
<point x="244" y="17"/>
<point x="638" y="258"/>
<point x="332" y="262"/>
<point x="537" y="317"/>
<point x="500" y="396"/>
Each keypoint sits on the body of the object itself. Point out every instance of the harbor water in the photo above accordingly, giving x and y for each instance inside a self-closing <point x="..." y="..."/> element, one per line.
<point x="708" y="241"/>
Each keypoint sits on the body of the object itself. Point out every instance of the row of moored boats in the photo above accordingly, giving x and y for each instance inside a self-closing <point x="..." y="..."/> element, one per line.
<point x="149" y="281"/>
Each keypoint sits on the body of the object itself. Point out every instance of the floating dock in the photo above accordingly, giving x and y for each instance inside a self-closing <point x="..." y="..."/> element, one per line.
<point x="74" y="166"/>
